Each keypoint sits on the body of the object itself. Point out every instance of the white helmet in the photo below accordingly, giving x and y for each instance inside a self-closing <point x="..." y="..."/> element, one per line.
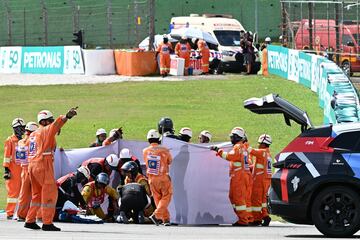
<point x="267" y="39"/>
<point x="125" y="153"/>
<point x="113" y="160"/>
<point x="44" y="114"/>
<point x="238" y="131"/>
<point x="206" y="133"/>
<point x="31" y="126"/>
<point x="186" y="131"/>
<point x="153" y="134"/>
<point x="84" y="170"/>
<point x="100" y="131"/>
<point x="265" y="138"/>
<point x="17" y="122"/>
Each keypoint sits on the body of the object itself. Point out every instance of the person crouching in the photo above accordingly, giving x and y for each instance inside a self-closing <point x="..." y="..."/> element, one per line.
<point x="135" y="195"/>
<point x="94" y="195"/>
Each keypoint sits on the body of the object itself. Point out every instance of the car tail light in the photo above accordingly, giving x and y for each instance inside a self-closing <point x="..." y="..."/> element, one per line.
<point x="289" y="164"/>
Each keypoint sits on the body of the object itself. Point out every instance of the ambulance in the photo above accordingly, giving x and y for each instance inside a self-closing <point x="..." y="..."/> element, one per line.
<point x="226" y="30"/>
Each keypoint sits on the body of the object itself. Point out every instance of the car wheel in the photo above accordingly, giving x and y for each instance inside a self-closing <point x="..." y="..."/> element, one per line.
<point x="336" y="212"/>
<point x="219" y="69"/>
<point x="345" y="66"/>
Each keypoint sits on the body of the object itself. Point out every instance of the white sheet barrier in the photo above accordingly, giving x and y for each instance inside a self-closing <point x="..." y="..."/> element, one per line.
<point x="200" y="179"/>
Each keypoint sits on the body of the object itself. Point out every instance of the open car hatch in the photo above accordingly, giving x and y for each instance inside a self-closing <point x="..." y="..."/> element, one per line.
<point x="274" y="104"/>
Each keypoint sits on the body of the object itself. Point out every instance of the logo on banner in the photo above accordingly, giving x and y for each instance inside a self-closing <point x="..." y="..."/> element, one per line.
<point x="76" y="59"/>
<point x="305" y="69"/>
<point x="14" y="58"/>
<point x="73" y="60"/>
<point x="42" y="60"/>
<point x="10" y="59"/>
<point x="278" y="61"/>
<point x="293" y="71"/>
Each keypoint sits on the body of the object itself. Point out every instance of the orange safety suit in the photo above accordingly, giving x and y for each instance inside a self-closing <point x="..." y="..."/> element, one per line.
<point x="141" y="179"/>
<point x="264" y="62"/>
<point x="261" y="184"/>
<point x="13" y="184"/>
<point x="164" y="52"/>
<point x="183" y="50"/>
<point x="25" y="191"/>
<point x="41" y="171"/>
<point x="107" y="141"/>
<point x="248" y="175"/>
<point x="239" y="183"/>
<point x="157" y="159"/>
<point x="205" y="55"/>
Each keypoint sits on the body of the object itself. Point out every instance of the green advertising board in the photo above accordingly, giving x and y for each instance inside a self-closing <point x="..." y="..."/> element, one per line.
<point x="48" y="60"/>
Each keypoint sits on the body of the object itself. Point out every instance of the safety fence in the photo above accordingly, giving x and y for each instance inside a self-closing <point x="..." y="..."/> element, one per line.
<point x="337" y="95"/>
<point x="74" y="60"/>
<point x="107" y="23"/>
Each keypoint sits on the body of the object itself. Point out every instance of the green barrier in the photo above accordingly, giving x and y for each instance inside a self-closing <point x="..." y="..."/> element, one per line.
<point x="42" y="60"/>
<point x="305" y="69"/>
<point x="278" y="61"/>
<point x="320" y="75"/>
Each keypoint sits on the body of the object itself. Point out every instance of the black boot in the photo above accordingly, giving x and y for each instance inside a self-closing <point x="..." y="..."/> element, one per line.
<point x="237" y="224"/>
<point x="266" y="221"/>
<point x="122" y="218"/>
<point x="33" y="226"/>
<point x="141" y="217"/>
<point x="167" y="223"/>
<point x="255" y="223"/>
<point x="50" y="227"/>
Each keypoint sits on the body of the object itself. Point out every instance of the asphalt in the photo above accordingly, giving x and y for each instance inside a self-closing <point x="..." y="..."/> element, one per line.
<point x="276" y="230"/>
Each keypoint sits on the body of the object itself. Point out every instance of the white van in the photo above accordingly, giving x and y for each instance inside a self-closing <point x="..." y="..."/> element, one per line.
<point x="225" y="29"/>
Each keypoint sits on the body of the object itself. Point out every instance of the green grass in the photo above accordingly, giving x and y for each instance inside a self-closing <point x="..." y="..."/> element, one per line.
<point x="215" y="105"/>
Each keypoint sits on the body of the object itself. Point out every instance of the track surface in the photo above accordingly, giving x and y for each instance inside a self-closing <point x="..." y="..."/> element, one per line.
<point x="276" y="230"/>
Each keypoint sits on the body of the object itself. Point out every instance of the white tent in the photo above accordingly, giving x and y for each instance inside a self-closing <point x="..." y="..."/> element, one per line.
<point x="193" y="33"/>
<point x="157" y="40"/>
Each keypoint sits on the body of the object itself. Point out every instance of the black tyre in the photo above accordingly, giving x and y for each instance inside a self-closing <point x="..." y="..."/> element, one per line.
<point x="336" y="211"/>
<point x="215" y="66"/>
